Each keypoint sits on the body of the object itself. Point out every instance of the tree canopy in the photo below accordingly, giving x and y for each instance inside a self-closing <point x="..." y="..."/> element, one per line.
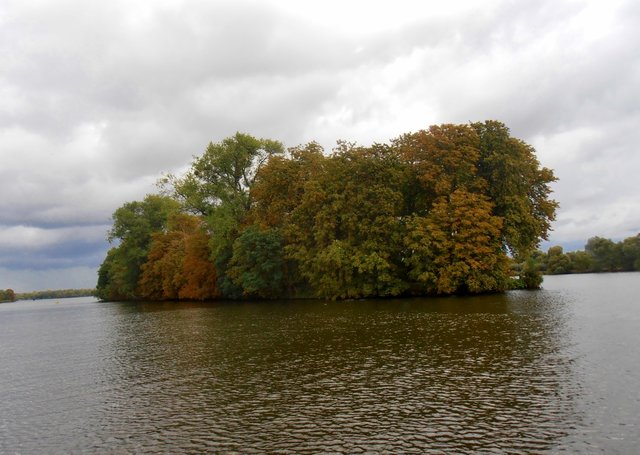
<point x="7" y="295"/>
<point x="134" y="225"/>
<point x="438" y="211"/>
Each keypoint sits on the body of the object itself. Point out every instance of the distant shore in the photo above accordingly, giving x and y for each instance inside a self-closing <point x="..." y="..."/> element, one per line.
<point x="55" y="294"/>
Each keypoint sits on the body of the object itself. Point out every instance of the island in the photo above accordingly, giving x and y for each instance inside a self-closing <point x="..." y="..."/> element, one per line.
<point x="445" y="210"/>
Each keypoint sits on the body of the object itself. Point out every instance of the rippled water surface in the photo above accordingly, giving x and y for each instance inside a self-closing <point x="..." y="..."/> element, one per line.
<point x="526" y="372"/>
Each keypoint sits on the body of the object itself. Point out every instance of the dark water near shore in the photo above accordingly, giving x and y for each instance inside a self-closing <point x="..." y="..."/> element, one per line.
<point x="548" y="371"/>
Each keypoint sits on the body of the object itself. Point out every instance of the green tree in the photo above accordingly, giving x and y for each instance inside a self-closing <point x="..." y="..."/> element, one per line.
<point x="518" y="187"/>
<point x="218" y="187"/>
<point x="223" y="174"/>
<point x="7" y="295"/>
<point x="133" y="226"/>
<point x="277" y="193"/>
<point x="539" y="258"/>
<point x="604" y="252"/>
<point x="557" y="261"/>
<point x="530" y="276"/>
<point x="257" y="265"/>
<point x="345" y="234"/>
<point x="630" y="252"/>
<point x="114" y="281"/>
<point x="581" y="261"/>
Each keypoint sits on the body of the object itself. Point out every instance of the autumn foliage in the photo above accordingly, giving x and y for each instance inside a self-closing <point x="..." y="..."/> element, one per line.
<point x="438" y="211"/>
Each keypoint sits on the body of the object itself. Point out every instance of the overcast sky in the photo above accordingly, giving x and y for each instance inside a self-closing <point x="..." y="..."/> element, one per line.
<point x="97" y="99"/>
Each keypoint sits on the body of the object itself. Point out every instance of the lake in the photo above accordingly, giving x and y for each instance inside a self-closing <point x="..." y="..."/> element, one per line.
<point x="547" y="371"/>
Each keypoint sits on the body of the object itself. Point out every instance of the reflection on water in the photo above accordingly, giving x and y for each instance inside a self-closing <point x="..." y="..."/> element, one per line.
<point x="467" y="375"/>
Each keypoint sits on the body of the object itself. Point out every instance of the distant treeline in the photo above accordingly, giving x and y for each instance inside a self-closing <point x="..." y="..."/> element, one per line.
<point x="599" y="255"/>
<point x="439" y="211"/>
<point x="55" y="294"/>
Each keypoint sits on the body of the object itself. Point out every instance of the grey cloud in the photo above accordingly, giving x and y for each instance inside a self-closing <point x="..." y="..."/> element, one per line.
<point x="101" y="65"/>
<point x="28" y="247"/>
<point x="549" y="79"/>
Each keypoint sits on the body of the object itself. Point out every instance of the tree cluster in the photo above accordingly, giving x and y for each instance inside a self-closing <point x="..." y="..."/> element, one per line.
<point x="438" y="211"/>
<point x="7" y="295"/>
<point x="599" y="255"/>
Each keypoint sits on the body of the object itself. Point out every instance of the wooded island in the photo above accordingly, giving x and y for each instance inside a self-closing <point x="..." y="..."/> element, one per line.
<point x="439" y="211"/>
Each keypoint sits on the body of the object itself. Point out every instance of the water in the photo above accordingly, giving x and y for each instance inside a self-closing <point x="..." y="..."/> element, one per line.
<point x="526" y="372"/>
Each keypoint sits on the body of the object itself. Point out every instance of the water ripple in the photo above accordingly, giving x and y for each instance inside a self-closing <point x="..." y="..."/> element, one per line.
<point x="485" y="375"/>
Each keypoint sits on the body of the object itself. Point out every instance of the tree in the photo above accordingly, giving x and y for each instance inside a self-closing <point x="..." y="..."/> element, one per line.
<point x="346" y="233"/>
<point x="604" y="252"/>
<point x="539" y="259"/>
<point x="630" y="252"/>
<point x="7" y="295"/>
<point x="257" y="265"/>
<point x="518" y="187"/>
<point x="114" y="280"/>
<point x="178" y="264"/>
<point x="530" y="276"/>
<point x="580" y="261"/>
<point x="218" y="186"/>
<point x="161" y="277"/>
<point x="223" y="174"/>
<point x="482" y="162"/>
<point x="133" y="226"/>
<point x="444" y="158"/>
<point x="557" y="261"/>
<point x="277" y="193"/>
<point x="280" y="184"/>
<point x="200" y="274"/>
<point x="457" y="247"/>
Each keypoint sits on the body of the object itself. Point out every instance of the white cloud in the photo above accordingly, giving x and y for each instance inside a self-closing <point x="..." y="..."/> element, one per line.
<point x="29" y="237"/>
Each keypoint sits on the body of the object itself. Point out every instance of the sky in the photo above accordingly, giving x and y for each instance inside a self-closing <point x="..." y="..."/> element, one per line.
<point x="99" y="99"/>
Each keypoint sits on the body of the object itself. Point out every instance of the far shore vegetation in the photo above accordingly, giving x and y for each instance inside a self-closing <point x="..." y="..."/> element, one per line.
<point x="436" y="212"/>
<point x="8" y="295"/>
<point x="55" y="294"/>
<point x="599" y="255"/>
